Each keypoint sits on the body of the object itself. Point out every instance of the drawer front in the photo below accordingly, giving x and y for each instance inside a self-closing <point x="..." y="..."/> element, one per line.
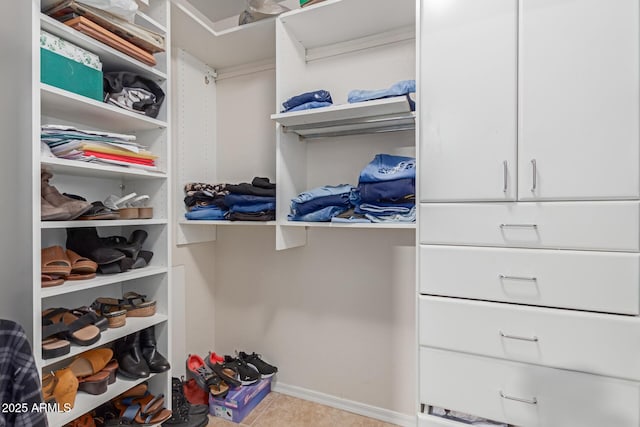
<point x="488" y="388"/>
<point x="425" y="420"/>
<point x="584" y="280"/>
<point x="606" y="226"/>
<point x="603" y="344"/>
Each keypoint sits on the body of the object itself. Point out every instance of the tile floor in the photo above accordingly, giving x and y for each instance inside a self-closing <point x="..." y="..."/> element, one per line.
<point x="280" y="410"/>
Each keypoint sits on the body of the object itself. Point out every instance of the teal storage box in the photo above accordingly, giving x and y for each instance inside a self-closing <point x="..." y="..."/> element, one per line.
<point x="64" y="73"/>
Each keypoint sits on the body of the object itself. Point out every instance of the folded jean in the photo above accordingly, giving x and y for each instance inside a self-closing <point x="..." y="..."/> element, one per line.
<point x="256" y="216"/>
<point x="319" y="203"/>
<point x="317" y="96"/>
<point x="387" y="167"/>
<point x="205" y="213"/>
<point x="326" y="190"/>
<point x="367" y="208"/>
<point x="246" y="199"/>
<point x="398" y="189"/>
<point x="250" y="190"/>
<point x="253" y="207"/>
<point x="310" y="106"/>
<point x="402" y="87"/>
<point x="398" y="217"/>
<point x="322" y="215"/>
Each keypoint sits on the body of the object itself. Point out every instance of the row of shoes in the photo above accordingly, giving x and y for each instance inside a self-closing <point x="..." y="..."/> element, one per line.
<point x="136" y="406"/>
<point x="113" y="254"/>
<point x="55" y="206"/>
<point x="216" y="374"/>
<point x="58" y="265"/>
<point x="84" y="325"/>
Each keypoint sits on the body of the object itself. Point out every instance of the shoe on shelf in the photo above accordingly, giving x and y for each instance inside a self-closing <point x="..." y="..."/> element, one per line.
<point x="61" y="387"/>
<point x="85" y="242"/>
<point x="131" y="362"/>
<point x="157" y="362"/>
<point x="247" y="374"/>
<point x="254" y="360"/>
<point x="72" y="207"/>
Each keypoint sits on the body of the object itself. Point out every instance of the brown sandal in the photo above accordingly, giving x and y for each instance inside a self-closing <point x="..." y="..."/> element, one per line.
<point x="81" y="331"/>
<point x="54" y="261"/>
<point x="111" y="309"/>
<point x="137" y="305"/>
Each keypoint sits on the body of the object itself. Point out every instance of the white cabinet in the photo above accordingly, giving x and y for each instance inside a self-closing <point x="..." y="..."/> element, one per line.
<point x="467" y="103"/>
<point x="578" y="100"/>
<point x="577" y="117"/>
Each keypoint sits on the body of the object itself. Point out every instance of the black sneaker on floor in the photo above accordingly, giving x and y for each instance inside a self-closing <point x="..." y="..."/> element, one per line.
<point x="247" y="374"/>
<point x="266" y="370"/>
<point x="183" y="413"/>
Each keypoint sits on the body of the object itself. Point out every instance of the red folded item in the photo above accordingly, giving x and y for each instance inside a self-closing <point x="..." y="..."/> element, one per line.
<point x="134" y="160"/>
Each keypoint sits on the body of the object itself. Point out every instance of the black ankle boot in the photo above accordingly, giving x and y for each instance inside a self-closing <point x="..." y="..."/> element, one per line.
<point x="185" y="414"/>
<point x="130" y="359"/>
<point x="86" y="242"/>
<point x="156" y="361"/>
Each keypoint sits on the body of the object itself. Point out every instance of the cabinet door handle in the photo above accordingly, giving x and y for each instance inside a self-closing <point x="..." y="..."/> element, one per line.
<point x="529" y="279"/>
<point x="518" y="225"/>
<point x="534" y="168"/>
<point x="532" y="401"/>
<point x="517" y="337"/>
<point x="505" y="174"/>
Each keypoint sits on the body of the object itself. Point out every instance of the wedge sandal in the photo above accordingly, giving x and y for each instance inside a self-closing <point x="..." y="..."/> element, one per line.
<point x="137" y="305"/>
<point x="81" y="330"/>
<point x="111" y="309"/>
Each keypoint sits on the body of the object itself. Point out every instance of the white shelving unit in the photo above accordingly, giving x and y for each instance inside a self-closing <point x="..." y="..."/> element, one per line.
<point x="226" y="223"/>
<point x="323" y="47"/>
<point x="51" y="105"/>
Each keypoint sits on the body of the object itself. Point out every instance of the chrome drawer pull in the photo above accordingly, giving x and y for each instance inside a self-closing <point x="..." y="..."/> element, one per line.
<point x="516" y="337"/>
<point x="504" y="176"/>
<point x="533" y="401"/>
<point x="535" y="173"/>
<point x="529" y="279"/>
<point x="518" y="225"/>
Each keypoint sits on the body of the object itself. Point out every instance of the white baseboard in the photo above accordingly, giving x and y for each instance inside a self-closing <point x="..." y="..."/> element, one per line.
<point x="370" y="411"/>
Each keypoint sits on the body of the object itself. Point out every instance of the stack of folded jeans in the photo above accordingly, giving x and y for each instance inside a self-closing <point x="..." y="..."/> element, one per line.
<point x="401" y="88"/>
<point x="205" y="201"/>
<point x="321" y="204"/>
<point x="386" y="189"/>
<point x="307" y="101"/>
<point x="251" y="202"/>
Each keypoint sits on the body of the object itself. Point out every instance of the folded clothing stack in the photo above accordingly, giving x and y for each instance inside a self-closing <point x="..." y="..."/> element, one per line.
<point x="255" y="201"/>
<point x="321" y="204"/>
<point x="386" y="189"/>
<point x="307" y="101"/>
<point x="67" y="142"/>
<point x="403" y="87"/>
<point x="251" y="202"/>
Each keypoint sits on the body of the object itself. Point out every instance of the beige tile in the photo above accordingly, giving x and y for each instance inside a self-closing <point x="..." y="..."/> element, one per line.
<point x="219" y="422"/>
<point x="287" y="411"/>
<point x="258" y="410"/>
<point x="347" y="419"/>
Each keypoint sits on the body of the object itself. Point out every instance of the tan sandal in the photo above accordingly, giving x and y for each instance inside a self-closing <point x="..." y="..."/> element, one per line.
<point x="54" y="261"/>
<point x="82" y="268"/>
<point x="137" y="305"/>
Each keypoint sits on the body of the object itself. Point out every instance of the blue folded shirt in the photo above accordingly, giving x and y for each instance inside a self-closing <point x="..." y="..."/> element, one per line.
<point x="314" y="96"/>
<point x="386" y="167"/>
<point x="403" y="87"/>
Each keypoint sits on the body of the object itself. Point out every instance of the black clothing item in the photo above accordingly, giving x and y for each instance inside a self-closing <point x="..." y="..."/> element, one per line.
<point x="257" y="216"/>
<point x="120" y="88"/>
<point x="19" y="379"/>
<point x="263" y="183"/>
<point x="251" y="190"/>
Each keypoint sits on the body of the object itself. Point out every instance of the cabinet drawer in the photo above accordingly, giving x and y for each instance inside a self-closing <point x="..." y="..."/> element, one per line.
<point x="607" y="226"/>
<point x="584" y="280"/>
<point x="487" y="387"/>
<point x="425" y="420"/>
<point x="603" y="344"/>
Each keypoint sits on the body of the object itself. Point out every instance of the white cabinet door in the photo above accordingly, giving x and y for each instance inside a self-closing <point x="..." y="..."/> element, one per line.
<point x="467" y="100"/>
<point x="578" y="100"/>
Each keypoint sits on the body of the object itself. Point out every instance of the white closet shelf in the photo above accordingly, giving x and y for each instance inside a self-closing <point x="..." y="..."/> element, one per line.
<point x="368" y="225"/>
<point x="336" y="21"/>
<point x="102" y="223"/>
<point x="232" y="47"/>
<point x="60" y="103"/>
<point x="86" y="402"/>
<point x="134" y="324"/>
<point x="87" y="169"/>
<point x="380" y="115"/>
<point x="145" y="20"/>
<point x="223" y="222"/>
<point x="101" y="280"/>
<point x="112" y="60"/>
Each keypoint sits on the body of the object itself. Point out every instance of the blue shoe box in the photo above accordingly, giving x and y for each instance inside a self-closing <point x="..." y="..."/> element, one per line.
<point x="240" y="401"/>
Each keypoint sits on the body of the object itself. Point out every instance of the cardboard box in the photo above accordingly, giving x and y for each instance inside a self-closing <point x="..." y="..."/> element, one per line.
<point x="240" y="401"/>
<point x="62" y="47"/>
<point x="64" y="73"/>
